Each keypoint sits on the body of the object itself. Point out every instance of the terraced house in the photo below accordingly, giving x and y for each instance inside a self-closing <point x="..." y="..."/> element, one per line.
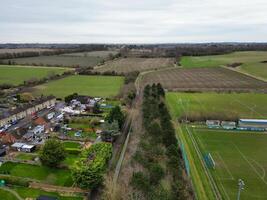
<point x="26" y="110"/>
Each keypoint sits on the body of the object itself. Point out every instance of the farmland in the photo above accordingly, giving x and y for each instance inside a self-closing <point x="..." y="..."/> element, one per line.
<point x="245" y="105"/>
<point x="203" y="79"/>
<point x="251" y="62"/>
<point x="101" y="54"/>
<point x="102" y="86"/>
<point x="57" y="60"/>
<point x="16" y="75"/>
<point x="21" y="50"/>
<point x="235" y="157"/>
<point x="126" y="65"/>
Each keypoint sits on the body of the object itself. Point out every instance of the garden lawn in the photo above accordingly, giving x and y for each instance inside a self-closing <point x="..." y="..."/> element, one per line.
<point x="34" y="193"/>
<point x="72" y="145"/>
<point x="70" y="159"/>
<point x="97" y="86"/>
<point x="15" y="75"/>
<point x="61" y="177"/>
<point x="88" y="135"/>
<point x="26" y="156"/>
<point x="5" y="195"/>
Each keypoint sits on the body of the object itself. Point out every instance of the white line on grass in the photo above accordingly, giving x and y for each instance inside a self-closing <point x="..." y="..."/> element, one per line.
<point x="226" y="167"/>
<point x="247" y="106"/>
<point x="245" y="158"/>
<point x="260" y="166"/>
<point x="207" y="172"/>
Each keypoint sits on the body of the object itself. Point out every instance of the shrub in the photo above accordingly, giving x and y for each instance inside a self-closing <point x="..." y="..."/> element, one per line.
<point x="88" y="172"/>
<point x="14" y="180"/>
<point x="140" y="181"/>
<point x="52" y="153"/>
<point x="156" y="173"/>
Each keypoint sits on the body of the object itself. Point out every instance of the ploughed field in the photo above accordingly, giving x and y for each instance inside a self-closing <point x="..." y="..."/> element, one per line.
<point x="16" y="75"/>
<point x="101" y="86"/>
<point x="237" y="155"/>
<point x="57" y="60"/>
<point x="251" y="62"/>
<point x="126" y="65"/>
<point x="204" y="79"/>
<point x="202" y="106"/>
<point x="101" y="54"/>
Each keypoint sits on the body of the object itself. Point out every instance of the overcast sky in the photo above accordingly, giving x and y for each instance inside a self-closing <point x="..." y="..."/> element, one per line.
<point x="133" y="21"/>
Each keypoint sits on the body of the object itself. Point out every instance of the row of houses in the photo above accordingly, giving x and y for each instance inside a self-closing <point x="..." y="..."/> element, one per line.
<point x="26" y="110"/>
<point x="242" y="124"/>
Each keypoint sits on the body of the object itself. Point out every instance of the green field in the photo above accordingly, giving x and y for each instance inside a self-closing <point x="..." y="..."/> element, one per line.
<point x="235" y="157"/>
<point x="244" y="105"/>
<point x="59" y="177"/>
<point x="252" y="62"/>
<point x="16" y="75"/>
<point x="72" y="145"/>
<point x="5" y="195"/>
<point x="58" y="60"/>
<point x="26" y="156"/>
<point x="233" y="151"/>
<point x="101" y="86"/>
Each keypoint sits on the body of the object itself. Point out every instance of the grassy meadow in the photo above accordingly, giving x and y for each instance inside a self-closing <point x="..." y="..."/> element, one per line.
<point x="16" y="75"/>
<point x="252" y="62"/>
<point x="243" y="105"/>
<point x="101" y="86"/>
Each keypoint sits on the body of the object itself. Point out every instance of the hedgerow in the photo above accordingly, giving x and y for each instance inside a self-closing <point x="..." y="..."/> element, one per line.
<point x="88" y="171"/>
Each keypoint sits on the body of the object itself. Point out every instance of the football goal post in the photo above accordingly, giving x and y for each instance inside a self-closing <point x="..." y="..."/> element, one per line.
<point x="209" y="161"/>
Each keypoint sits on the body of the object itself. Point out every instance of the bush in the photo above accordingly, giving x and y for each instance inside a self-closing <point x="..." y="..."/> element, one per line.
<point x="140" y="181"/>
<point x="52" y="153"/>
<point x="156" y="173"/>
<point x="14" y="180"/>
<point x="88" y="172"/>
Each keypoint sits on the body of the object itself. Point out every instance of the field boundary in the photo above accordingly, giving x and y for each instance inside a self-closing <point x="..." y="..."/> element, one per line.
<point x="245" y="73"/>
<point x="210" y="178"/>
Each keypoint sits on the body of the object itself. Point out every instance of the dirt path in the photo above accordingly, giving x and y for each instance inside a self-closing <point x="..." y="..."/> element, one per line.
<point x="60" y="189"/>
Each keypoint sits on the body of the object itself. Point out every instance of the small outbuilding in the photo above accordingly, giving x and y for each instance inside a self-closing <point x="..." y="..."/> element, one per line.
<point x="23" y="147"/>
<point x="42" y="197"/>
<point x="213" y="123"/>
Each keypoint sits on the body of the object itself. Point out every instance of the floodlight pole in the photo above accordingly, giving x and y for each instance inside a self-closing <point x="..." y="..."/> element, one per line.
<point x="241" y="185"/>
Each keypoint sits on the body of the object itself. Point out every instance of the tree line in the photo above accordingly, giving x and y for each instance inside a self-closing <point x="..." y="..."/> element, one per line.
<point x="159" y="153"/>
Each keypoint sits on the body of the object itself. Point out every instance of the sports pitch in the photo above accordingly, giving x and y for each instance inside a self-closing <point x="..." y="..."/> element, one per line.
<point x="243" y="105"/>
<point x="237" y="155"/>
<point x="101" y="86"/>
